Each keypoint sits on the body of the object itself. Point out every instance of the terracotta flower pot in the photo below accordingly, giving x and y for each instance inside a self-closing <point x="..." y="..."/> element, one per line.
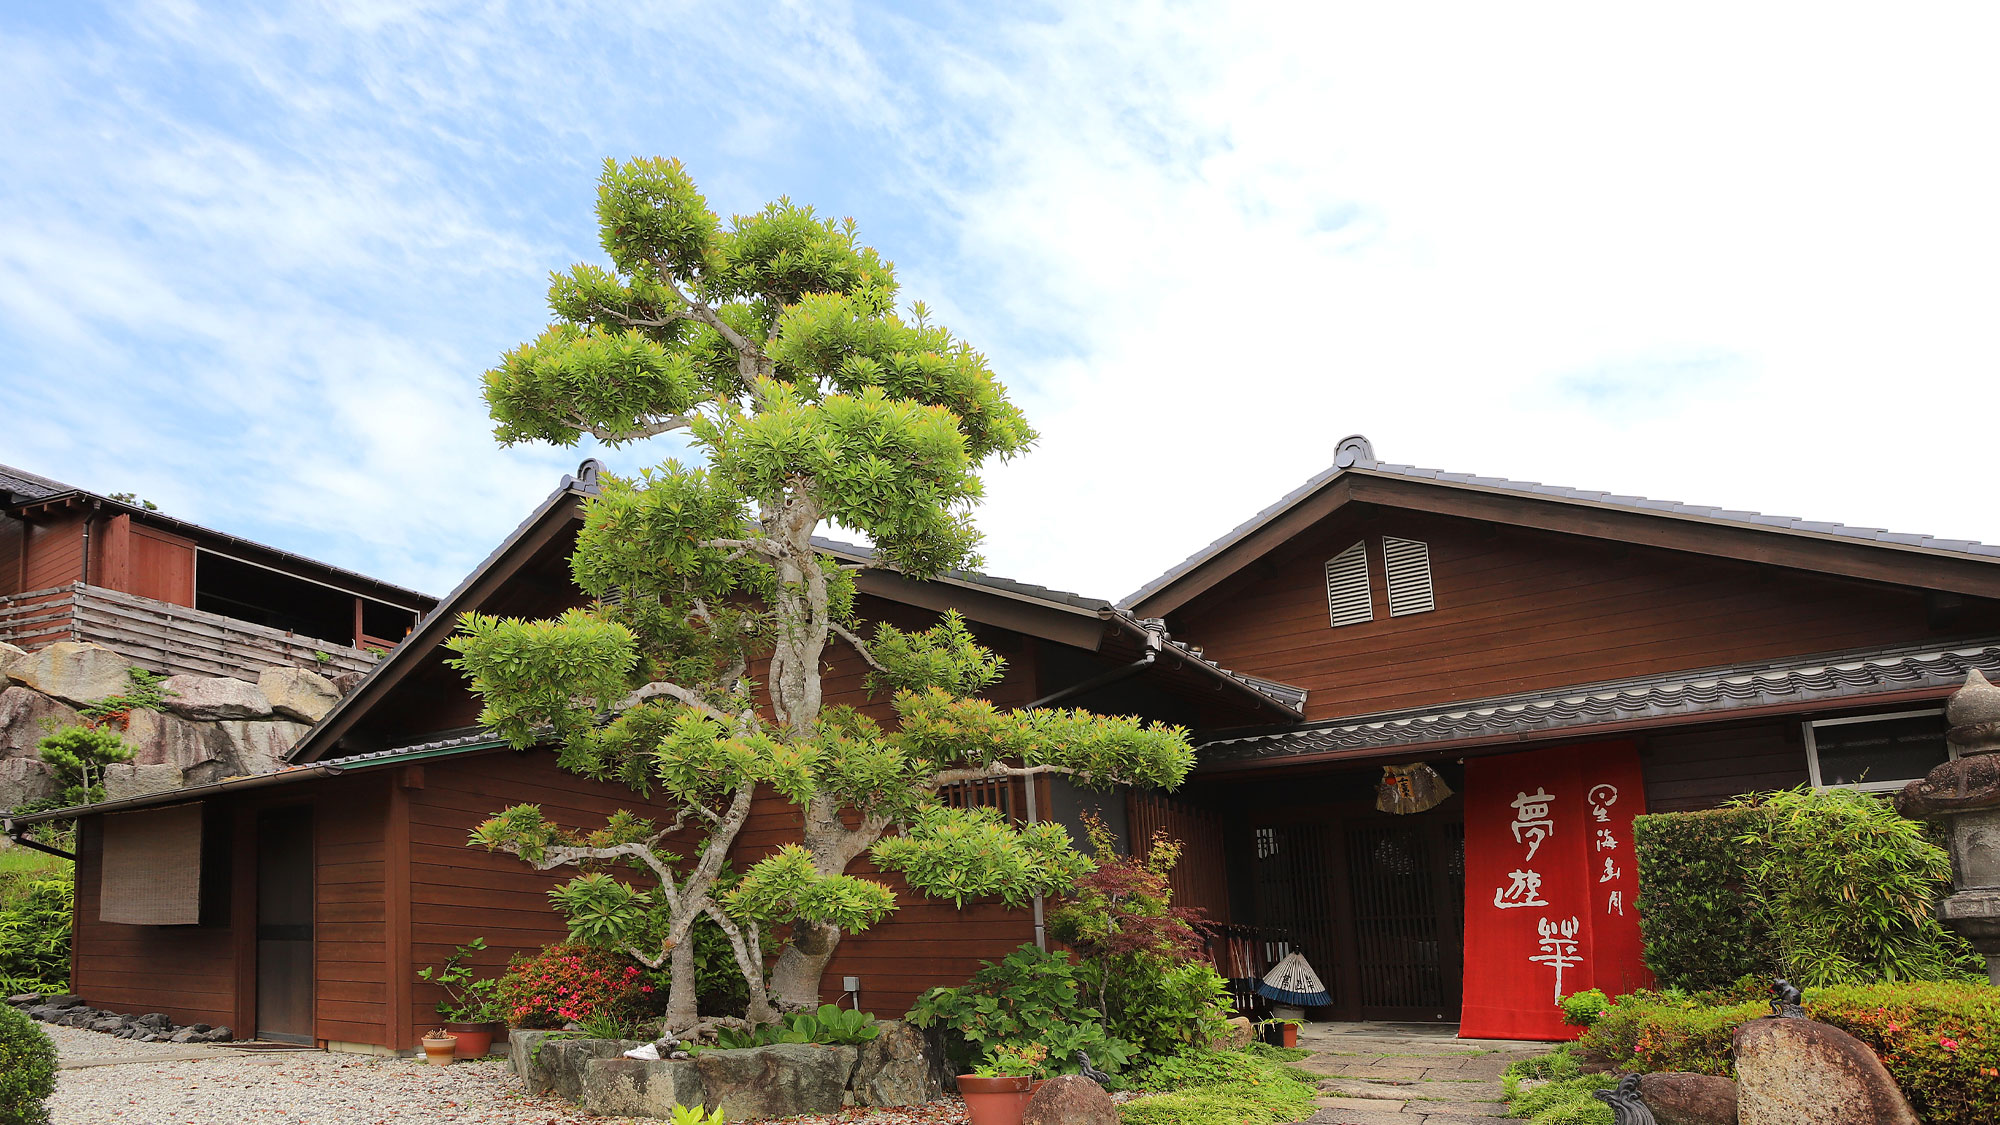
<point x="474" y="1039"/>
<point x="1288" y="1035"/>
<point x="995" y="1101"/>
<point x="438" y="1052"/>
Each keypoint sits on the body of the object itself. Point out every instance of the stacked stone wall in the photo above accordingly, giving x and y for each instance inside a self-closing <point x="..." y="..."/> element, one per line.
<point x="208" y="727"/>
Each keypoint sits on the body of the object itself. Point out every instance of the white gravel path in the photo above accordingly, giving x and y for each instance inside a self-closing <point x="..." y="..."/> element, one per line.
<point x="228" y="1087"/>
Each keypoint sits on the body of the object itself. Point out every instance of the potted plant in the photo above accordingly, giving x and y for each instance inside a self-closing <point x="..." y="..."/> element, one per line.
<point x="998" y="1089"/>
<point x="1279" y="1033"/>
<point x="471" y="1006"/>
<point x="439" y="1046"/>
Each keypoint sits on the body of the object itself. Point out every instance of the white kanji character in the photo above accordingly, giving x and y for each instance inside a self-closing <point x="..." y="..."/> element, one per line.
<point x="1525" y="890"/>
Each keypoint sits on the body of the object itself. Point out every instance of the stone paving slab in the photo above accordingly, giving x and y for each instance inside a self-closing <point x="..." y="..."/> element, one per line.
<point x="1383" y="1074"/>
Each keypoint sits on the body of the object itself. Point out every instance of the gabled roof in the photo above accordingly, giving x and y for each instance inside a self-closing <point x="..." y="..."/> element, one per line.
<point x="1966" y="566"/>
<point x="19" y="485"/>
<point x="1856" y="678"/>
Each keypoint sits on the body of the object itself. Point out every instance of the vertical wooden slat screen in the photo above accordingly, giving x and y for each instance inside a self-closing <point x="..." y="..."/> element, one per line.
<point x="1201" y="878"/>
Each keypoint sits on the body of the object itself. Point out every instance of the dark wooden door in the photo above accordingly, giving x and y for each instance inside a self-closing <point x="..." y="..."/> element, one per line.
<point x="1376" y="903"/>
<point x="285" y="925"/>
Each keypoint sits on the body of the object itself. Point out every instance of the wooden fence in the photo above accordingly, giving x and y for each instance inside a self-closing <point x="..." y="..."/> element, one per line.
<point x="164" y="637"/>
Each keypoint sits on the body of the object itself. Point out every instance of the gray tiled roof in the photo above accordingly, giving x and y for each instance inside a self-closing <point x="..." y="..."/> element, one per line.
<point x="460" y="738"/>
<point x="1367" y="465"/>
<point x="24" y="485"/>
<point x="1838" y="677"/>
<point x="1006" y="585"/>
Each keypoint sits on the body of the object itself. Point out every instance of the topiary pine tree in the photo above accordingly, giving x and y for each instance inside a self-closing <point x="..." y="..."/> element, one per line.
<point x="773" y="342"/>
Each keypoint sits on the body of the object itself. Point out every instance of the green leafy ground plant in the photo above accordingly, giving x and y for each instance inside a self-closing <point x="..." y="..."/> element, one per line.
<point x="27" y="1070"/>
<point x="1031" y="997"/>
<point x="1252" y="1091"/>
<point x="1563" y="1101"/>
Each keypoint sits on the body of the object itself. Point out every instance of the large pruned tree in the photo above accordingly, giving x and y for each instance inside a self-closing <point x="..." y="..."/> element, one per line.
<point x="694" y="676"/>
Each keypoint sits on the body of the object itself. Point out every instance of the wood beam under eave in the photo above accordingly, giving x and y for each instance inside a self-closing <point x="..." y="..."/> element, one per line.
<point x="1081" y="629"/>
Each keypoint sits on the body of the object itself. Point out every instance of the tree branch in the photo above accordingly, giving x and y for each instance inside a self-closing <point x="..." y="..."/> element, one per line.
<point x="997" y="769"/>
<point x="659" y="688"/>
<point x="612" y="437"/>
<point x="859" y="646"/>
<point x="563" y="855"/>
<point x="699" y="310"/>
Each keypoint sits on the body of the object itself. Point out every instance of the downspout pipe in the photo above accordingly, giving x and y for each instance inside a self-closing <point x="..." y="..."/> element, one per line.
<point x="1110" y="677"/>
<point x="14" y="834"/>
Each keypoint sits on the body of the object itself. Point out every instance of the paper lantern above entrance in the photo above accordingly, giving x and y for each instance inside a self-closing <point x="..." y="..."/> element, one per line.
<point x="1294" y="982"/>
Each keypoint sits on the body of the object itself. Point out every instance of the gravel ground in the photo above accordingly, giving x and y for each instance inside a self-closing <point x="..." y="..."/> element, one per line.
<point x="227" y="1087"/>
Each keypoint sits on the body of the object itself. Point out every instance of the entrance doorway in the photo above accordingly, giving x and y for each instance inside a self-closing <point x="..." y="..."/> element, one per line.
<point x="285" y="925"/>
<point x="1375" y="902"/>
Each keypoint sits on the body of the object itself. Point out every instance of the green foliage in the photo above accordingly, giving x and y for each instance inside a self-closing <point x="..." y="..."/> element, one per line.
<point x="78" y="754"/>
<point x="1201" y="1066"/>
<point x="1566" y="1101"/>
<point x="1822" y="887"/>
<point x="1274" y="1054"/>
<point x="146" y="695"/>
<point x="36" y="894"/>
<point x="1850" y="889"/>
<point x="27" y="1070"/>
<point x="696" y="1115"/>
<point x="533" y="674"/>
<point x="1032" y="997"/>
<point x="1559" y="1063"/>
<point x="1226" y="1088"/>
<point x="828" y="1025"/>
<point x="962" y="853"/>
<point x="1701" y="928"/>
<point x="1140" y="961"/>
<point x="468" y="997"/>
<point x="1581" y="1009"/>
<point x="1014" y="1060"/>
<point x="1939" y="1040"/>
<point x="784" y="888"/>
<point x="945" y="656"/>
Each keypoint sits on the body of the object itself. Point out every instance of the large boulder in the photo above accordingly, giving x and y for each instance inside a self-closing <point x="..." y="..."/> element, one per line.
<point x="1070" y="1099"/>
<point x="782" y="1080"/>
<point x="8" y="655"/>
<point x="298" y="694"/>
<point x="1238" y="1036"/>
<point x="248" y="748"/>
<point x="1791" y="1070"/>
<point x="23" y="780"/>
<point x="74" y="672"/>
<point x="557" y="1066"/>
<point x="1680" y="1098"/>
<point x="214" y="697"/>
<point x="26" y="717"/>
<point x="622" y="1087"/>
<point x="125" y="779"/>
<point x="895" y="1069"/>
<point x="158" y="738"/>
<point x="345" y="682"/>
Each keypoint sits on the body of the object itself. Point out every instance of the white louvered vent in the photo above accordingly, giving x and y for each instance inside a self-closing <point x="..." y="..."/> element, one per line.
<point x="1348" y="601"/>
<point x="1407" y="564"/>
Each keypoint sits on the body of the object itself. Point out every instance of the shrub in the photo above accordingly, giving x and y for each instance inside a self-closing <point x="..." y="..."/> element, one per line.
<point x="78" y="755"/>
<point x="1827" y="887"/>
<point x="1142" y="964"/>
<point x="1200" y="1068"/>
<point x="1566" y="1101"/>
<point x="1939" y="1040"/>
<point x="34" y="933"/>
<point x="1030" y="997"/>
<point x="1272" y="1093"/>
<point x="27" y="1070"/>
<point x="569" y="982"/>
<point x="1701" y="930"/>
<point x="1850" y="890"/>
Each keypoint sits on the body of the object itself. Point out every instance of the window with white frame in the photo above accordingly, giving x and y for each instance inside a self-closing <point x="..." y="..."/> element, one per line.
<point x="1876" y="752"/>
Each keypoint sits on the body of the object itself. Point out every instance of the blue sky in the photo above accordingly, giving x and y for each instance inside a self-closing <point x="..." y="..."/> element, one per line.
<point x="254" y="257"/>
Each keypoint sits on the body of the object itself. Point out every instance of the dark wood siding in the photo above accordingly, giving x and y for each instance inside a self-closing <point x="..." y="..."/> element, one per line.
<point x="187" y="972"/>
<point x="350" y="954"/>
<point x="54" y="552"/>
<point x="1530" y="610"/>
<point x="1701" y="767"/>
<point x="13" y="540"/>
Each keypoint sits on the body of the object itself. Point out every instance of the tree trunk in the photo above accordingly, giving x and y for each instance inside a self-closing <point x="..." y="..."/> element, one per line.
<point x="682" y="1012"/>
<point x="795" y="978"/>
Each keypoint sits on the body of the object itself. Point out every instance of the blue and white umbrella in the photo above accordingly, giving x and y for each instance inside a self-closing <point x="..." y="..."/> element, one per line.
<point x="1294" y="982"/>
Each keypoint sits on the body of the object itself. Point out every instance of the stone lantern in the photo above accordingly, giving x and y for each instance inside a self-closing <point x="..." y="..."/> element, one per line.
<point x="1964" y="796"/>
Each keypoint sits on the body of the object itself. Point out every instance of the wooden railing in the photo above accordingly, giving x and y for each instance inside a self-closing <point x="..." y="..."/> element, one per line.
<point x="165" y="637"/>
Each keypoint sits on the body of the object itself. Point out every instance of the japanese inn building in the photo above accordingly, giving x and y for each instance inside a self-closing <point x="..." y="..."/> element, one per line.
<point x="1516" y="669"/>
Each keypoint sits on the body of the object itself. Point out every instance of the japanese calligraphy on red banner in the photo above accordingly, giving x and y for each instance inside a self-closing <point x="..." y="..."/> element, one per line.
<point x="1550" y="886"/>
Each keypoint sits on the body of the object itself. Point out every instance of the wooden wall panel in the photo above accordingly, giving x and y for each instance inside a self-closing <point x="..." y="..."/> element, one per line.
<point x="350" y="819"/>
<point x="187" y="972"/>
<point x="1522" y="610"/>
<point x="161" y="566"/>
<point x="54" y="552"/>
<point x="1701" y="767"/>
<point x="13" y="541"/>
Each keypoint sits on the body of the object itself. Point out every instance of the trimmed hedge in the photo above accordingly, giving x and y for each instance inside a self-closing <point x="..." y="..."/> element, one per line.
<point x="1939" y="1040"/>
<point x="1701" y="927"/>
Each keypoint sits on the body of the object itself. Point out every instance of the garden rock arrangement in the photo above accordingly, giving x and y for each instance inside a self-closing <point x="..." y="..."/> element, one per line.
<point x="1793" y="1070"/>
<point x="69" y="1010"/>
<point x="1679" y="1098"/>
<point x="205" y="729"/>
<point x="1070" y="1099"/>
<point x="897" y="1067"/>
